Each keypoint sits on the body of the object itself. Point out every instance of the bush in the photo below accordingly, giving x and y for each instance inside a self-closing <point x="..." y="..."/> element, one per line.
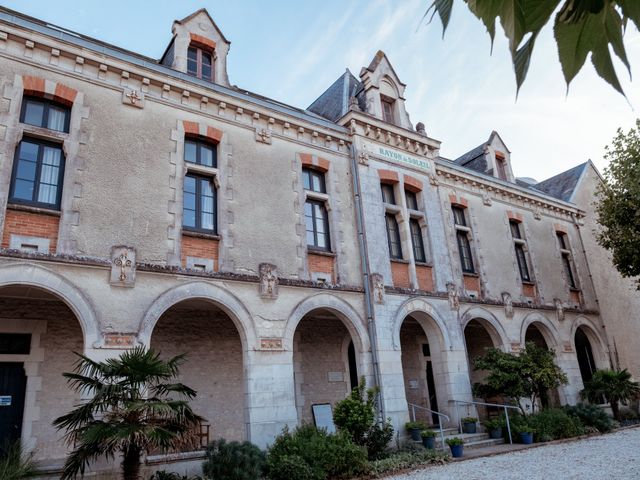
<point x="428" y="433"/>
<point x="355" y="416"/>
<point x="233" y="461"/>
<point x="591" y="416"/>
<point x="163" y="475"/>
<point x="403" y="460"/>
<point x="454" y="441"/>
<point x="469" y="420"/>
<point x="494" y="423"/>
<point x="415" y="425"/>
<point x="14" y="464"/>
<point x="324" y="455"/>
<point x="555" y="423"/>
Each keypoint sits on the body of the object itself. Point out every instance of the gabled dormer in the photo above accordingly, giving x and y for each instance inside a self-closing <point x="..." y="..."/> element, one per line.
<point x="384" y="92"/>
<point x="491" y="157"/>
<point x="198" y="48"/>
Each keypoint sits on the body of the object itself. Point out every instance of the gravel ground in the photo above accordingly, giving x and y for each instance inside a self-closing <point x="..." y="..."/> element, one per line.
<point x="612" y="457"/>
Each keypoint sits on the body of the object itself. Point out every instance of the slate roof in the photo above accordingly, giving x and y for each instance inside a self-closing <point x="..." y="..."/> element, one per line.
<point x="561" y="186"/>
<point x="333" y="104"/>
<point x="474" y="159"/>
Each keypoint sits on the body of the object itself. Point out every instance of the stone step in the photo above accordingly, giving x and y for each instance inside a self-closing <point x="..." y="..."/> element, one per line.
<point x="484" y="443"/>
<point x="466" y="437"/>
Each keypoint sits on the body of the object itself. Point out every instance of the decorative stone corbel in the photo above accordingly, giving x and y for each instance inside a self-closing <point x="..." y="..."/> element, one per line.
<point x="508" y="304"/>
<point x="123" y="266"/>
<point x="377" y="288"/>
<point x="268" y="280"/>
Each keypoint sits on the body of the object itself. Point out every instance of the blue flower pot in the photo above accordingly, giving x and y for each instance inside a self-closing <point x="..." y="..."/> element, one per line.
<point x="469" y="427"/>
<point x="415" y="434"/>
<point x="495" y="433"/>
<point x="456" y="450"/>
<point x="526" y="437"/>
<point x="429" y="442"/>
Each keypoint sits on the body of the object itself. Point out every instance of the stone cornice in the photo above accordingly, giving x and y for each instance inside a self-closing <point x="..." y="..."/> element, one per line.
<point x="157" y="82"/>
<point x="496" y="189"/>
<point x="363" y="124"/>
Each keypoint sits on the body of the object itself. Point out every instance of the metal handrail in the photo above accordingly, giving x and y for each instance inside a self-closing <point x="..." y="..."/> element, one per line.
<point x="501" y="405"/>
<point x="440" y="416"/>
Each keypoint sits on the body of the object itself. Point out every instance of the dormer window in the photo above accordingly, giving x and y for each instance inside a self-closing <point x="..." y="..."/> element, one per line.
<point x="387" y="109"/>
<point x="200" y="63"/>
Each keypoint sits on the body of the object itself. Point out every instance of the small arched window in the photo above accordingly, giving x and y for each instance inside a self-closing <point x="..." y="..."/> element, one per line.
<point x="200" y="62"/>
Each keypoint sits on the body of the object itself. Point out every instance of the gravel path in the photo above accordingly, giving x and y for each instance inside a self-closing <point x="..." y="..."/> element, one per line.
<point x="612" y="457"/>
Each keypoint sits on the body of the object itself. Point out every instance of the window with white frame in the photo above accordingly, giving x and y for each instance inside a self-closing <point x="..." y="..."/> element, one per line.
<point x="315" y="210"/>
<point x="567" y="259"/>
<point x="463" y="234"/>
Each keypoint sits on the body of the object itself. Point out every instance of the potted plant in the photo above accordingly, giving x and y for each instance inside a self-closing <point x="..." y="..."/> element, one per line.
<point x="456" y="445"/>
<point x="469" y="424"/>
<point x="526" y="434"/>
<point x="428" y="439"/>
<point x="494" y="427"/>
<point x="414" y="429"/>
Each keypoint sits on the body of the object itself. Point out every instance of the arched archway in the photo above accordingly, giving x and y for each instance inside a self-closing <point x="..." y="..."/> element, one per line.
<point x="39" y="333"/>
<point x="544" y="326"/>
<point x="479" y="337"/>
<point x="584" y="352"/>
<point x="214" y="329"/>
<point x="533" y="334"/>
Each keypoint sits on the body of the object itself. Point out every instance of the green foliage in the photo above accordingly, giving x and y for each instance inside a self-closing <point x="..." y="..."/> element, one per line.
<point x="590" y="416"/>
<point x="529" y="374"/>
<point x="580" y="28"/>
<point x="469" y="420"/>
<point x="428" y="433"/>
<point x="131" y="409"/>
<point x="454" y="441"/>
<point x="614" y="385"/>
<point x="325" y="455"/>
<point x="163" y="475"/>
<point x="15" y="464"/>
<point x="355" y="416"/>
<point x="415" y="426"/>
<point x="233" y="461"/>
<point x="555" y="423"/>
<point x="494" y="423"/>
<point x="403" y="460"/>
<point x="618" y="206"/>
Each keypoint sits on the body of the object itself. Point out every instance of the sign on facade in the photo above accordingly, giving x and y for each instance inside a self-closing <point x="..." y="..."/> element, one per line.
<point x="399" y="157"/>
<point x="323" y="417"/>
<point x="5" y="400"/>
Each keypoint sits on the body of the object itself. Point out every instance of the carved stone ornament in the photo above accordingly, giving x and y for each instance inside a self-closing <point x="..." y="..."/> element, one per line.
<point x="486" y="199"/>
<point x="268" y="280"/>
<point x="559" y="309"/>
<point x="454" y="298"/>
<point x="377" y="287"/>
<point x="271" y="344"/>
<point x="433" y="180"/>
<point x="119" y="340"/>
<point x="508" y="304"/>
<point x="123" y="266"/>
<point x="363" y="158"/>
<point x="353" y="105"/>
<point x="263" y="135"/>
<point x="133" y="98"/>
<point x="537" y="214"/>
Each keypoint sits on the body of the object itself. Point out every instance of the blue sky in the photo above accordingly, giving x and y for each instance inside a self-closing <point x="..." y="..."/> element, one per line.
<point x="292" y="50"/>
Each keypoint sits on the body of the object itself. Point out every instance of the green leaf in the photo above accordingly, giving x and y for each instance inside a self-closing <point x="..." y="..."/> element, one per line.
<point x="443" y="9"/>
<point x="631" y="9"/>
<point x="521" y="61"/>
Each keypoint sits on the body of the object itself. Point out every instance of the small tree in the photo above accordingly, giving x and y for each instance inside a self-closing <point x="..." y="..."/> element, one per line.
<point x="356" y="415"/>
<point x="618" y="207"/>
<point x="529" y="374"/>
<point x="614" y="385"/>
<point x="130" y="410"/>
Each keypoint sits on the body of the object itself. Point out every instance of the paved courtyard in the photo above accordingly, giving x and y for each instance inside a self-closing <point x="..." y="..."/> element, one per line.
<point x="615" y="456"/>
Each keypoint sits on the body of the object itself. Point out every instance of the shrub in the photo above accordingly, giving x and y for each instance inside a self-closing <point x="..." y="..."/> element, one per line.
<point x="403" y="460"/>
<point x="555" y="423"/>
<point x="355" y="416"/>
<point x="163" y="475"/>
<point x="415" y="425"/>
<point x="233" y="461"/>
<point x="428" y="433"/>
<point x="325" y="455"/>
<point x="454" y="441"/>
<point x="494" y="423"/>
<point x="615" y="386"/>
<point x="591" y="416"/>
<point x="14" y="464"/>
<point x="469" y="420"/>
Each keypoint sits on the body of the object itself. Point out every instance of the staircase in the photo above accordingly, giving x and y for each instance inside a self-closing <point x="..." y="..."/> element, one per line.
<point x="471" y="440"/>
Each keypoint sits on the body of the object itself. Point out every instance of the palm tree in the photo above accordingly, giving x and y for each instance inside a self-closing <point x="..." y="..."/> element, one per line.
<point x="614" y="385"/>
<point x="130" y="410"/>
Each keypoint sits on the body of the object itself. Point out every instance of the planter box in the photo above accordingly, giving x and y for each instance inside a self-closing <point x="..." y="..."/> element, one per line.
<point x="456" y="450"/>
<point x="469" y="427"/>
<point x="429" y="442"/>
<point x="495" y="433"/>
<point x="527" y="438"/>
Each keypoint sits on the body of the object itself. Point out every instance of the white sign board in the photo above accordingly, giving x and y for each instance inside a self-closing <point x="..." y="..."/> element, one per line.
<point x="323" y="417"/>
<point x="5" y="400"/>
<point x="398" y="156"/>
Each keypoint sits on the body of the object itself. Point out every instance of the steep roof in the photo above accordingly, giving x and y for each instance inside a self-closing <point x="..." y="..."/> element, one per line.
<point x="562" y="186"/>
<point x="333" y="104"/>
<point x="474" y="159"/>
<point x="196" y="13"/>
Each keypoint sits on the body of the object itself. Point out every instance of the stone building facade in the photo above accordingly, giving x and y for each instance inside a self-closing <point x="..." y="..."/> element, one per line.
<point x="288" y="251"/>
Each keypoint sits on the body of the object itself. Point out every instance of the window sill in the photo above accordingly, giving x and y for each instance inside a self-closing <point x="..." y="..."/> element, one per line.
<point x="202" y="169"/>
<point x="324" y="253"/>
<point x="43" y="133"/>
<point x="198" y="234"/>
<point x="32" y="209"/>
<point x="423" y="264"/>
<point x="470" y="274"/>
<point x="399" y="260"/>
<point x="533" y="284"/>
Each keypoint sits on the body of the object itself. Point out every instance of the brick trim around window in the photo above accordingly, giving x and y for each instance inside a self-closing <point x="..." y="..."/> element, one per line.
<point x="458" y="201"/>
<point x="412" y="184"/>
<point x="516" y="217"/>
<point x="40" y="87"/>
<point x="388" y="176"/>
<point x="31" y="224"/>
<point x="202" y="42"/>
<point x="201" y="130"/>
<point x="315" y="162"/>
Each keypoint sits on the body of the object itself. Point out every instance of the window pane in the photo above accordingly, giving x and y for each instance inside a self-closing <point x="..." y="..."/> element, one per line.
<point x="47" y="193"/>
<point x="311" y="241"/>
<point x="189" y="218"/>
<point x="412" y="200"/>
<point x="458" y="216"/>
<point x="207" y="221"/>
<point x="317" y="183"/>
<point x="57" y="119"/>
<point x="206" y="187"/>
<point x="34" y="113"/>
<point x="51" y="156"/>
<point x="388" y="194"/>
<point x="23" y="190"/>
<point x="206" y="156"/>
<point x="49" y="174"/>
<point x="515" y="229"/>
<point x="522" y="263"/>
<point x="189" y="184"/>
<point x="26" y="170"/>
<point x="308" y="208"/>
<point x="207" y="204"/>
<point x="306" y="179"/>
<point x="206" y="65"/>
<point x="29" y="151"/>
<point x="190" y="152"/>
<point x="322" y="243"/>
<point x="189" y="201"/>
